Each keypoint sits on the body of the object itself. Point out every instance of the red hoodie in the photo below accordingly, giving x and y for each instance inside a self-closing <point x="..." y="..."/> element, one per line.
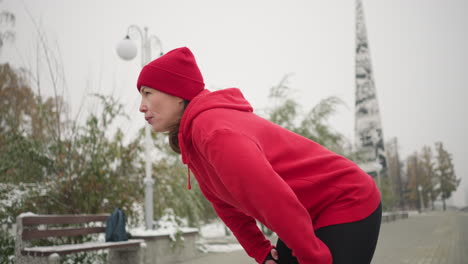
<point x="250" y="168"/>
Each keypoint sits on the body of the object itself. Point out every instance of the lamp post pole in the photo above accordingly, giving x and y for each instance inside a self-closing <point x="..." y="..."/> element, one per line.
<point x="378" y="168"/>
<point x="127" y="51"/>
<point x="421" y="204"/>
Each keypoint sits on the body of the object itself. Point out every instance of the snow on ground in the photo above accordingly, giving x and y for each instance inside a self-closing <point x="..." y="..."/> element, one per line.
<point x="214" y="238"/>
<point x="214" y="229"/>
<point x="141" y="231"/>
<point x="220" y="248"/>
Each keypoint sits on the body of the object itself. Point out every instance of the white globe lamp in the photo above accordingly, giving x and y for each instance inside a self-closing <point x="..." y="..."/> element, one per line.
<point x="126" y="49"/>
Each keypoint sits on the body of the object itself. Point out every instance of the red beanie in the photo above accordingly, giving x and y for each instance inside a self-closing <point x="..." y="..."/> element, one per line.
<point x="175" y="73"/>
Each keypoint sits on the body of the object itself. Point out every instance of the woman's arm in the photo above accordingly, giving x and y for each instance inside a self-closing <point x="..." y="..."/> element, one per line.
<point x="263" y="194"/>
<point x="243" y="227"/>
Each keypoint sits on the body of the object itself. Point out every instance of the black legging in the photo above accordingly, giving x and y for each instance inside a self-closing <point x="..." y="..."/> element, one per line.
<point x="348" y="243"/>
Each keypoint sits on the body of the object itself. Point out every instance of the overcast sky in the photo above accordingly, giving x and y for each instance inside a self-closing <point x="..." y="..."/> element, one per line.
<point x="418" y="49"/>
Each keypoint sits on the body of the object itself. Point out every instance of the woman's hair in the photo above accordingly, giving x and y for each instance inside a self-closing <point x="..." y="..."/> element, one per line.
<point x="174" y="133"/>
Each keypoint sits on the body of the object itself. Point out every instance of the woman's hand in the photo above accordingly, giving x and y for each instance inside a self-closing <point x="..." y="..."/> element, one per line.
<point x="272" y="258"/>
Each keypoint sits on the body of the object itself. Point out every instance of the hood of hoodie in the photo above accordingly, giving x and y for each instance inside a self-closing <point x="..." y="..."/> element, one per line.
<point x="231" y="98"/>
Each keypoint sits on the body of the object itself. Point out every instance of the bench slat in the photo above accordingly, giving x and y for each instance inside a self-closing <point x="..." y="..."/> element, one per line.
<point x="62" y="219"/>
<point x="68" y="249"/>
<point x="38" y="234"/>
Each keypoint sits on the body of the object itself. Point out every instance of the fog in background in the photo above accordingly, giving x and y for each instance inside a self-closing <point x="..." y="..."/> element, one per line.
<point x="418" y="50"/>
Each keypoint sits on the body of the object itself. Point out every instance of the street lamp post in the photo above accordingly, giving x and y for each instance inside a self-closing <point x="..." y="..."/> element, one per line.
<point x="420" y="198"/>
<point x="378" y="168"/>
<point x="126" y="49"/>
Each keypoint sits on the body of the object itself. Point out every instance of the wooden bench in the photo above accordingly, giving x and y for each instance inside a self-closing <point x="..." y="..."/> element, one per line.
<point x="34" y="227"/>
<point x="393" y="216"/>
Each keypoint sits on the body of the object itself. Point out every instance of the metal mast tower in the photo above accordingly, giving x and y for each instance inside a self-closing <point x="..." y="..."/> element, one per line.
<point x="368" y="127"/>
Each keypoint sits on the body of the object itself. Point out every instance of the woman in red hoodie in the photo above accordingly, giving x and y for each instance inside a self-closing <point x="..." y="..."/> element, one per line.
<point x="322" y="206"/>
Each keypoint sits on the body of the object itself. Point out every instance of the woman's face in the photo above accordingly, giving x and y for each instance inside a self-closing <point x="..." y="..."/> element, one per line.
<point x="161" y="110"/>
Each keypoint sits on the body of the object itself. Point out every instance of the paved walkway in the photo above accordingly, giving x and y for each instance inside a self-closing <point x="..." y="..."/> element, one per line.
<point x="430" y="238"/>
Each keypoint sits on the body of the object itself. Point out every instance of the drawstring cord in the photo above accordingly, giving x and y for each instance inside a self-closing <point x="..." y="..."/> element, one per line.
<point x="189" y="186"/>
